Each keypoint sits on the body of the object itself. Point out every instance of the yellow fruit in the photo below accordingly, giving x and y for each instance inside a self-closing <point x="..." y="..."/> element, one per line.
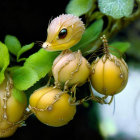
<point x="7" y="130"/>
<point x="51" y="106"/>
<point x="109" y="75"/>
<point x="64" y="32"/>
<point x="11" y="109"/>
<point x="71" y="68"/>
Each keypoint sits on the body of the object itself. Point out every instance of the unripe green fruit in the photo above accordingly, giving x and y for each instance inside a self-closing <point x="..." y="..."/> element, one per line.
<point x="11" y="109"/>
<point x="109" y="75"/>
<point x="71" y="68"/>
<point x="51" y="106"/>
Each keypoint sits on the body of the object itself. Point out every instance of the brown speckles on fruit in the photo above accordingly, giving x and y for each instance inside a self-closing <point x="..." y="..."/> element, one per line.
<point x="51" y="106"/>
<point x="109" y="75"/>
<point x="121" y="76"/>
<point x="11" y="110"/>
<point x="71" y="68"/>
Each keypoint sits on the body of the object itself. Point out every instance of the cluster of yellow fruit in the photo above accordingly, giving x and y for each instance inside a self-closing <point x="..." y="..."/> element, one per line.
<point x="12" y="110"/>
<point x="51" y="105"/>
<point x="54" y="106"/>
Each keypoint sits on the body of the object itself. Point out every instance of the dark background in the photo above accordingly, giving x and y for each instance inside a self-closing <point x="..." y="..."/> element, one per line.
<point x="28" y="21"/>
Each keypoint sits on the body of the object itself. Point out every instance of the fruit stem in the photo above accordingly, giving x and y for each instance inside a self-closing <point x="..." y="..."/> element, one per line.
<point x="100" y="100"/>
<point x="105" y="43"/>
<point x="26" y="115"/>
<point x="113" y="27"/>
<point x="73" y="93"/>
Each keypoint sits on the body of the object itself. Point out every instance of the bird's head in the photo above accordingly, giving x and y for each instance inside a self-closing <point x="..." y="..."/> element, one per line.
<point x="63" y="32"/>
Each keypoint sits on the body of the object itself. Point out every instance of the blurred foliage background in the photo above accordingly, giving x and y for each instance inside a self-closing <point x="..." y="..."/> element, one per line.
<point x="28" y="20"/>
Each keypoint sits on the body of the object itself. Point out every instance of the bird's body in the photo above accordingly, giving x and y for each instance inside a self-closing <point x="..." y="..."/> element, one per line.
<point x="63" y="32"/>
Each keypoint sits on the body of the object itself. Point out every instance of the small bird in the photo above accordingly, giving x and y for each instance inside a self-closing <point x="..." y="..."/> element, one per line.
<point x="64" y="32"/>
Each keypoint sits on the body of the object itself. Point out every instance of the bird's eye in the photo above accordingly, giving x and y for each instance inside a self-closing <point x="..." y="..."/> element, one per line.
<point x="62" y="33"/>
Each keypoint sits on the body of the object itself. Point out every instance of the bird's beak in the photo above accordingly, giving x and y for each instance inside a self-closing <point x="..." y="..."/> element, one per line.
<point x="46" y="45"/>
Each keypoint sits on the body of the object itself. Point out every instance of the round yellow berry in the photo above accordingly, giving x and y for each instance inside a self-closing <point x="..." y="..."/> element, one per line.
<point x="51" y="106"/>
<point x="109" y="75"/>
<point x="11" y="109"/>
<point x="71" y="68"/>
<point x="7" y="130"/>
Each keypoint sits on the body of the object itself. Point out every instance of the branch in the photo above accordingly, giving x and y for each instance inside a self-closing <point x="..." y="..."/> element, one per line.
<point x="114" y="26"/>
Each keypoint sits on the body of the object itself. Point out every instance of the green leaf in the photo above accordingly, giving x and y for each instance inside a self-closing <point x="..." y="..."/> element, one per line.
<point x="91" y="34"/>
<point x="116" y="8"/>
<point x="41" y="62"/>
<point x="4" y="60"/>
<point x="13" y="44"/>
<point x="23" y="50"/>
<point x="19" y="95"/>
<point x="13" y="68"/>
<point x="35" y="68"/>
<point x="24" y="77"/>
<point x="118" y="48"/>
<point x="79" y="7"/>
<point x="135" y="50"/>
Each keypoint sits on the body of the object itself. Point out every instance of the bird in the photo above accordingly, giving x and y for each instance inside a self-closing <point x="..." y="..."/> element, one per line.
<point x="64" y="32"/>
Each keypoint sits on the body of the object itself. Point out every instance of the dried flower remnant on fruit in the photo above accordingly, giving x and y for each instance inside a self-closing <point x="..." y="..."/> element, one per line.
<point x="109" y="73"/>
<point x="51" y="106"/>
<point x="63" y="32"/>
<point x="70" y="68"/>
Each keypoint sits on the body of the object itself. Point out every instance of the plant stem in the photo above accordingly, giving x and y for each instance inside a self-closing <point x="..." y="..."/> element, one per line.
<point x="113" y="27"/>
